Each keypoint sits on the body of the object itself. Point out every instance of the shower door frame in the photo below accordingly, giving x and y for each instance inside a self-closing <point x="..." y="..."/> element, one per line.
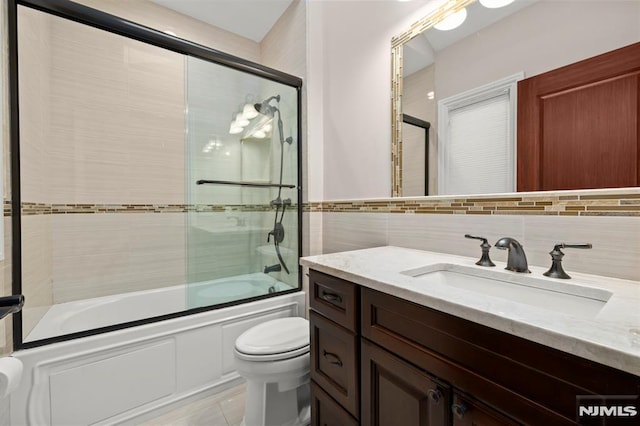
<point x="117" y="25"/>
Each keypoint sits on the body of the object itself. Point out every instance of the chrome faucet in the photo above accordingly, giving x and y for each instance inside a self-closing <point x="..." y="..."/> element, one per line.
<point x="516" y="260"/>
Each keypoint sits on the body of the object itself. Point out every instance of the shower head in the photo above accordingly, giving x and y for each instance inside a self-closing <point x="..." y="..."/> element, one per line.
<point x="265" y="108"/>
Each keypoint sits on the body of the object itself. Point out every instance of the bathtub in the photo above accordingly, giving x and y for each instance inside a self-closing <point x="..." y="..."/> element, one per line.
<point x="89" y="314"/>
<point x="135" y="373"/>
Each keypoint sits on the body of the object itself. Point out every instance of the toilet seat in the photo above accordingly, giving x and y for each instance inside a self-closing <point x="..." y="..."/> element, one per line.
<point x="274" y="340"/>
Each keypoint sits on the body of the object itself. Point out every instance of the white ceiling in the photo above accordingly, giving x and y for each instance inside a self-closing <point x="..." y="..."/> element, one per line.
<point x="249" y="18"/>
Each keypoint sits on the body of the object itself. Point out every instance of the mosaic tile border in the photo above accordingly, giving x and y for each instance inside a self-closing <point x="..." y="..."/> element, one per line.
<point x="31" y="209"/>
<point x="627" y="204"/>
<point x="397" y="42"/>
<point x="548" y="205"/>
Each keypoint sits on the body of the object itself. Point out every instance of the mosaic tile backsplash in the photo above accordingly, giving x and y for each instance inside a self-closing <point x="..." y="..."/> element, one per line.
<point x="29" y="209"/>
<point x="591" y="204"/>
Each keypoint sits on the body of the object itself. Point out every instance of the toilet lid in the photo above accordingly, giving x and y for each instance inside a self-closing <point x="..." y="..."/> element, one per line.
<point x="279" y="336"/>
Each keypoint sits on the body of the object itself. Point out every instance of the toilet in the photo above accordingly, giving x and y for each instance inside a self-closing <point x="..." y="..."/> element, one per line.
<point x="273" y="357"/>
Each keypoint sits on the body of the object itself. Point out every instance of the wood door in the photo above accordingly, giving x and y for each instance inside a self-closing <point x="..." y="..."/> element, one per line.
<point x="396" y="393"/>
<point x="578" y="126"/>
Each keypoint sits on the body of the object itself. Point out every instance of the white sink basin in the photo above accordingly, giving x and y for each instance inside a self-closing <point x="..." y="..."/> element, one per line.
<point x="542" y="293"/>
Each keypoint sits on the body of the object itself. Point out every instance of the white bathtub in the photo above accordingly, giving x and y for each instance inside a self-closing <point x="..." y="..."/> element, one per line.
<point x="81" y="315"/>
<point x="133" y="373"/>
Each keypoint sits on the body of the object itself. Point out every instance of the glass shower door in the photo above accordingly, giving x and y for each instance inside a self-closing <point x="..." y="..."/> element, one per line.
<point x="242" y="166"/>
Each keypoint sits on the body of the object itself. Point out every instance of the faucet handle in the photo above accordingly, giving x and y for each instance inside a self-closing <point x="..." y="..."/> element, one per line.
<point x="484" y="260"/>
<point x="559" y="246"/>
<point x="556" y="270"/>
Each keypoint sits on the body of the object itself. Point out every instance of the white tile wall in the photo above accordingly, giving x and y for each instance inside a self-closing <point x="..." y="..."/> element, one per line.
<point x="116" y="110"/>
<point x="351" y="231"/>
<point x="445" y="232"/>
<point x="6" y="327"/>
<point x="616" y="243"/>
<point x="284" y="47"/>
<point x="37" y="268"/>
<point x="616" y="240"/>
<point x="104" y="254"/>
<point x="152" y="15"/>
<point x="33" y="31"/>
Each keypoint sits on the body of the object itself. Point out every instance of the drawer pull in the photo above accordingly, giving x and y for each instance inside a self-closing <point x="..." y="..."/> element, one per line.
<point x="331" y="297"/>
<point x="459" y="410"/>
<point x="332" y="358"/>
<point x="435" y="395"/>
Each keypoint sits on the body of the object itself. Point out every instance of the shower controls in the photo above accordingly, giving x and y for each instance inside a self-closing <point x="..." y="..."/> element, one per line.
<point x="277" y="233"/>
<point x="279" y="203"/>
<point x="556" y="270"/>
<point x="278" y="229"/>
<point x="484" y="260"/>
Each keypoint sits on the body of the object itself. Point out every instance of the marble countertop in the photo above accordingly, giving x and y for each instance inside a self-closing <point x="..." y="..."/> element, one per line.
<point x="610" y="336"/>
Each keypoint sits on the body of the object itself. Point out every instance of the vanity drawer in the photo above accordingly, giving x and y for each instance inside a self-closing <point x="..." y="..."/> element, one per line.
<point x="467" y="411"/>
<point x="532" y="382"/>
<point x="326" y="412"/>
<point x="334" y="361"/>
<point x="334" y="298"/>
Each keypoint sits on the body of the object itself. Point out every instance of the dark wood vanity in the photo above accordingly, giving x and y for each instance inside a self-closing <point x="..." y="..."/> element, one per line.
<point x="380" y="360"/>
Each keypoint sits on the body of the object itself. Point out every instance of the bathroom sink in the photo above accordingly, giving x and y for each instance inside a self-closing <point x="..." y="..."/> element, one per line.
<point x="542" y="293"/>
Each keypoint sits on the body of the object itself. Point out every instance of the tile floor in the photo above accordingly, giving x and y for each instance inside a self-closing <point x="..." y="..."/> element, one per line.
<point x="223" y="409"/>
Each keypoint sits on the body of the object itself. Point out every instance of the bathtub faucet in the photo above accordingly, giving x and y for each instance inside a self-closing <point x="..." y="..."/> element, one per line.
<point x="272" y="268"/>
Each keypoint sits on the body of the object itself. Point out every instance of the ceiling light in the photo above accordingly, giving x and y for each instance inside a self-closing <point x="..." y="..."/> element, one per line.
<point x="452" y="21"/>
<point x="431" y="95"/>
<point x="494" y="4"/>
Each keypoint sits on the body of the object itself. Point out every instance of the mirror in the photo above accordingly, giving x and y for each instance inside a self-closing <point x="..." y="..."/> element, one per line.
<point x="434" y="70"/>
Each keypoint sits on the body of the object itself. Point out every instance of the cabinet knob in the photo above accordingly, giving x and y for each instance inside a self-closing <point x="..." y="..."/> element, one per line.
<point x="459" y="410"/>
<point x="435" y="395"/>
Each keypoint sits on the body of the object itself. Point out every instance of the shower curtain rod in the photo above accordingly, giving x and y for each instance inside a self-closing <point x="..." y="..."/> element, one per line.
<point x="253" y="184"/>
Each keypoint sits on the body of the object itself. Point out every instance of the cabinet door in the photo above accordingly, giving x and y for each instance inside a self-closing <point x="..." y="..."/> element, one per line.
<point x="326" y="412"/>
<point x="469" y="412"/>
<point x="397" y="393"/>
<point x="334" y="361"/>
